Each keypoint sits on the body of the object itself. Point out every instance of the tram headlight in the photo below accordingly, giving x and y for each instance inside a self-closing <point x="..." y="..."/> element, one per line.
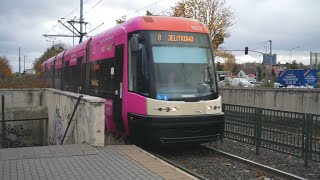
<point x="174" y="109"/>
<point x="168" y="109"/>
<point x="209" y="107"/>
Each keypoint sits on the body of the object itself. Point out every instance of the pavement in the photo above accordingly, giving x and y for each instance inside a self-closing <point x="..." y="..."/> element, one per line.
<point x="85" y="162"/>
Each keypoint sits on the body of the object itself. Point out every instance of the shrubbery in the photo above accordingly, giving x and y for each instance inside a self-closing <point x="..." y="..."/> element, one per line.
<point x="26" y="81"/>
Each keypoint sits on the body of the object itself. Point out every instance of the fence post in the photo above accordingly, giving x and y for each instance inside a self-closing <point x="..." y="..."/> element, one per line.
<point x="3" y="123"/>
<point x="224" y="124"/>
<point x="308" y="122"/>
<point x="258" y="129"/>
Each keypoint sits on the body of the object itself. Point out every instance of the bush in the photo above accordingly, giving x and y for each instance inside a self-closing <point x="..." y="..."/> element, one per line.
<point x="267" y="84"/>
<point x="26" y="81"/>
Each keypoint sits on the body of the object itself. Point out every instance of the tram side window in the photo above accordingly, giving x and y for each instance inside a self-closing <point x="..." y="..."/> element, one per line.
<point x="66" y="75"/>
<point x="139" y="72"/>
<point x="58" y="73"/>
<point x="73" y="78"/>
<point x="107" y="77"/>
<point x="94" y="78"/>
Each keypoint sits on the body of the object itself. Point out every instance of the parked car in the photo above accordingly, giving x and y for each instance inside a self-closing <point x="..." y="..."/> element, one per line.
<point x="256" y="83"/>
<point x="277" y="85"/>
<point x="224" y="83"/>
<point x="240" y="82"/>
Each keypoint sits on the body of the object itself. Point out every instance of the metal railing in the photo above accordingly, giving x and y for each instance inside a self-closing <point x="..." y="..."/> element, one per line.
<point x="287" y="132"/>
<point x="69" y="123"/>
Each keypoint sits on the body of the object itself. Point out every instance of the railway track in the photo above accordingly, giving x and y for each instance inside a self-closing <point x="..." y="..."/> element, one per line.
<point x="255" y="164"/>
<point x="210" y="153"/>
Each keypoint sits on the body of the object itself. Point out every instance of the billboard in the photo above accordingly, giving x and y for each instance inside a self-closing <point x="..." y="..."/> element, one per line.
<point x="298" y="77"/>
<point x="314" y="60"/>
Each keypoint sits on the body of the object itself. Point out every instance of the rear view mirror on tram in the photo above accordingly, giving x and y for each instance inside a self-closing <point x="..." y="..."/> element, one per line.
<point x="134" y="43"/>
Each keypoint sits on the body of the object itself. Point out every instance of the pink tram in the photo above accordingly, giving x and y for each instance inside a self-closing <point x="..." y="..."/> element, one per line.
<point x="157" y="77"/>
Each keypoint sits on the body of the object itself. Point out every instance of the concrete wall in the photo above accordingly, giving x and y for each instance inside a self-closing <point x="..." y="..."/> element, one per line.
<point x="87" y="124"/>
<point x="297" y="100"/>
<point x="22" y="106"/>
<point x="23" y="97"/>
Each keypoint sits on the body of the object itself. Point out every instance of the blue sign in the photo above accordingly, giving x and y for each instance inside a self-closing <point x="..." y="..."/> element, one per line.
<point x="298" y="77"/>
<point x="162" y="97"/>
<point x="159" y="97"/>
<point x="165" y="97"/>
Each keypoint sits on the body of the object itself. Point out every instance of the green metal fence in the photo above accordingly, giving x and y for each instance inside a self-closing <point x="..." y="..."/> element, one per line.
<point x="282" y="131"/>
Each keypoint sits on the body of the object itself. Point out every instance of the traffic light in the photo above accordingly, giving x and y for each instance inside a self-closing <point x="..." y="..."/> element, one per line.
<point x="246" y="49"/>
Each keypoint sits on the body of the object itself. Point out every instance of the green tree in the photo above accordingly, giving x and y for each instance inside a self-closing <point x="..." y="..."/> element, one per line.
<point x="301" y="66"/>
<point x="259" y="71"/>
<point x="50" y="52"/>
<point x="294" y="65"/>
<point x="5" y="68"/>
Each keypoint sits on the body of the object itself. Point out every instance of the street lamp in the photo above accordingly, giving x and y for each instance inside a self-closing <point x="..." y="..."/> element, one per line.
<point x="290" y="53"/>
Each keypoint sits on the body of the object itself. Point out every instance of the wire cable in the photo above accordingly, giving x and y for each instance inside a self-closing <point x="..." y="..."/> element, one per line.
<point x="75" y="9"/>
<point x="93" y="7"/>
<point x="141" y="8"/>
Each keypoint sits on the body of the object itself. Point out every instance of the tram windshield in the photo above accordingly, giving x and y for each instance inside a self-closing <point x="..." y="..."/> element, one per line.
<point x="182" y="72"/>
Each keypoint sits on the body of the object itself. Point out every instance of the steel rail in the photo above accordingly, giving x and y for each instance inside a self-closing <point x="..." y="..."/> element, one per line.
<point x="255" y="164"/>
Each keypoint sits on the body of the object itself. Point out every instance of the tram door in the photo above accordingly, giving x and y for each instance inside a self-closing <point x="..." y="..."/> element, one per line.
<point x="117" y="99"/>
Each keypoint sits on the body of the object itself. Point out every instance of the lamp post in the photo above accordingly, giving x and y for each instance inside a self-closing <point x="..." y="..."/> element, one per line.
<point x="290" y="54"/>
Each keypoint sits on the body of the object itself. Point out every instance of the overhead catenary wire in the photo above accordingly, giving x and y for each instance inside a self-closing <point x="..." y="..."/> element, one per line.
<point x="66" y="16"/>
<point x="103" y="23"/>
<point x="136" y="11"/>
<point x="75" y="9"/>
<point x="92" y="7"/>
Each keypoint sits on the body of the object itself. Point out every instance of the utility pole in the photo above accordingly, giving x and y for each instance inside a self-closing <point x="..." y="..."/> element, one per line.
<point x="19" y="61"/>
<point x="75" y="32"/>
<point x="271" y="57"/>
<point x="81" y="21"/>
<point x="24" y="64"/>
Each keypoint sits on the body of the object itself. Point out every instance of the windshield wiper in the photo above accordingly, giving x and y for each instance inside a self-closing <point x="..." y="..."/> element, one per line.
<point x="202" y="89"/>
<point x="206" y="84"/>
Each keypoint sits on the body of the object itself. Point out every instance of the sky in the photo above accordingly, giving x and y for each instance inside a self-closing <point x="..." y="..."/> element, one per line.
<point x="289" y="24"/>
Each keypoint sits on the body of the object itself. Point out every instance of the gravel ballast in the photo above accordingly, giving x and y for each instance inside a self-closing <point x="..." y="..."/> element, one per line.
<point x="213" y="166"/>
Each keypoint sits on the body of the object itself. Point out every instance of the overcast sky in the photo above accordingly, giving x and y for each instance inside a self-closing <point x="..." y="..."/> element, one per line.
<point x="288" y="23"/>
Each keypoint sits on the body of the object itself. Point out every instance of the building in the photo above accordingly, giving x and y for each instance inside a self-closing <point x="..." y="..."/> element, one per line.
<point x="223" y="74"/>
<point x="248" y="74"/>
<point x="30" y="71"/>
<point x="267" y="59"/>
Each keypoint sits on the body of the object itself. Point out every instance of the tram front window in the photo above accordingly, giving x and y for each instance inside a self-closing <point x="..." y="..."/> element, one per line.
<point x="183" y="73"/>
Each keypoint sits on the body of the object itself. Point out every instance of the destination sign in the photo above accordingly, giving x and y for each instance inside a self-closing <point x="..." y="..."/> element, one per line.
<point x="175" y="38"/>
<point x="179" y="38"/>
